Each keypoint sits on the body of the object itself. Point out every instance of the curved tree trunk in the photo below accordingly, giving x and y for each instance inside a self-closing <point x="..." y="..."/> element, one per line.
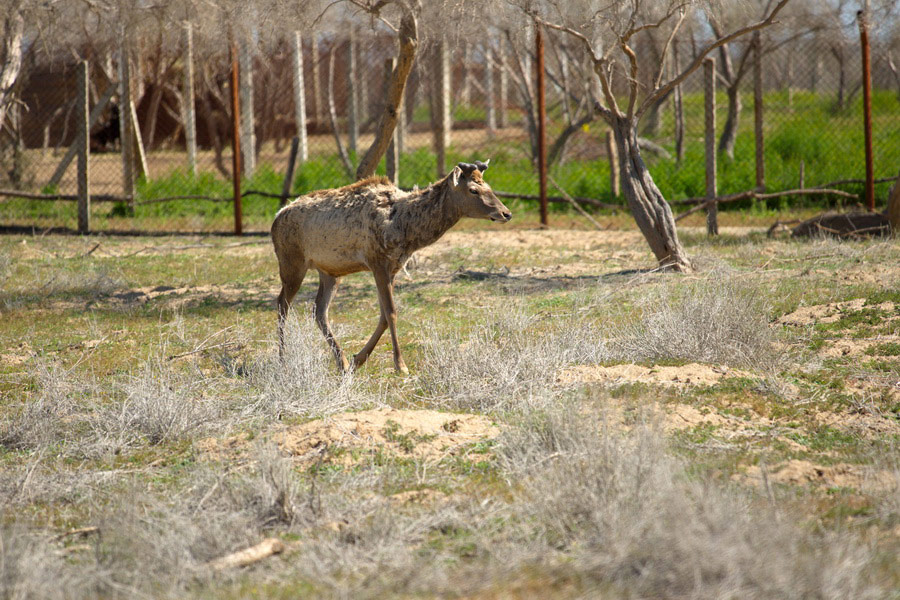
<point x="729" y="133"/>
<point x="11" y="50"/>
<point x="651" y="212"/>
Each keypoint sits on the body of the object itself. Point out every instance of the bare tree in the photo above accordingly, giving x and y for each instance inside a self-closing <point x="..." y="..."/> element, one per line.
<point x="608" y="37"/>
<point x="12" y="30"/>
<point x="408" y="40"/>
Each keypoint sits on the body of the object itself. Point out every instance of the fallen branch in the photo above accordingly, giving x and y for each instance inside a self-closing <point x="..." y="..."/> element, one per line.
<point x="80" y="532"/>
<point x="702" y="203"/>
<point x="248" y="556"/>
<point x="560" y="200"/>
<point x="575" y="204"/>
<point x="114" y="198"/>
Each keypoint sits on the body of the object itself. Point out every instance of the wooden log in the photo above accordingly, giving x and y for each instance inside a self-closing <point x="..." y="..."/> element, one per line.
<point x="753" y="194"/>
<point x="846" y="225"/>
<point x="242" y="558"/>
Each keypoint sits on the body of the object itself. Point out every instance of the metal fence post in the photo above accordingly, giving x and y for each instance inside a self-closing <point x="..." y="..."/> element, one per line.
<point x="236" y="140"/>
<point x="248" y="133"/>
<point x="190" y="120"/>
<point x="392" y="157"/>
<point x="84" y="148"/>
<point x="862" y="17"/>
<point x="758" y="113"/>
<point x="126" y="123"/>
<point x="300" y="97"/>
<point x="542" y="121"/>
<point x="712" y="210"/>
<point x="352" y="108"/>
<point x="490" y="113"/>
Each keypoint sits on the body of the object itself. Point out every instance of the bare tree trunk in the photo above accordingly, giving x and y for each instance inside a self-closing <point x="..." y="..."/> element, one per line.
<point x="732" y="120"/>
<point x="409" y="42"/>
<point x="11" y="51"/>
<point x="651" y="212"/>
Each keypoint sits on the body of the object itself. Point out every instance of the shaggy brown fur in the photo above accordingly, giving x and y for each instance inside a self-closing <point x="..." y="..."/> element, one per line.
<point x="371" y="226"/>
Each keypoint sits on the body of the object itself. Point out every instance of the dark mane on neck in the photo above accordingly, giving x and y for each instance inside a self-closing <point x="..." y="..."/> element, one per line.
<point x="368" y="181"/>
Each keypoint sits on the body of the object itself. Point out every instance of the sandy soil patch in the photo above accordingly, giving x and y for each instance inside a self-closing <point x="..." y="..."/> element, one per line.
<point x="828" y="313"/>
<point x="854" y="347"/>
<point x="572" y="240"/>
<point x="355" y="437"/>
<point x="182" y="295"/>
<point x="863" y="424"/>
<point x="806" y="473"/>
<point x="683" y="375"/>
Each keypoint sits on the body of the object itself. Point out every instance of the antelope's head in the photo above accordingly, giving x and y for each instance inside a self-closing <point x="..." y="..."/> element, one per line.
<point x="474" y="196"/>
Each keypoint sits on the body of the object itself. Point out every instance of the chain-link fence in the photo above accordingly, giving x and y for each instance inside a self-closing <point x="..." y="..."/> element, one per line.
<point x="464" y="101"/>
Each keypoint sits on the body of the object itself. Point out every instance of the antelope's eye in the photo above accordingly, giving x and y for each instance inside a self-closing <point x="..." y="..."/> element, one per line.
<point x="473" y="191"/>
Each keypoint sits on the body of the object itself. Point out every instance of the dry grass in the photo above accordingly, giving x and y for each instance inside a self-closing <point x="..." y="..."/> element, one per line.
<point x="628" y="513"/>
<point x="715" y="320"/>
<point x="563" y="504"/>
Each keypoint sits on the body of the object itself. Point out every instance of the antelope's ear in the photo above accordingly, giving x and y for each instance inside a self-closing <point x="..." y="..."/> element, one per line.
<point x="454" y="176"/>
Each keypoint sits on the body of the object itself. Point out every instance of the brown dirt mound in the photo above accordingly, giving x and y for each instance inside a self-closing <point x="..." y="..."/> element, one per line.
<point x="689" y="374"/>
<point x="828" y="313"/>
<point x="352" y="438"/>
<point x="805" y="473"/>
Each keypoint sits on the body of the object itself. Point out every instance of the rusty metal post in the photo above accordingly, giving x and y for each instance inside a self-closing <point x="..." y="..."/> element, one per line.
<point x="758" y="114"/>
<point x="236" y="140"/>
<point x="542" y="121"/>
<point x="862" y="18"/>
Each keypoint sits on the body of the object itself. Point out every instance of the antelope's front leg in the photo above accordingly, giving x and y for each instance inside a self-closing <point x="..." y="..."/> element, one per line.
<point x="360" y="359"/>
<point x="385" y="285"/>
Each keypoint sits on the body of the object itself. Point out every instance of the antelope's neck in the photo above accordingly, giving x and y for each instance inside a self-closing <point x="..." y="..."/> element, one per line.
<point x="423" y="218"/>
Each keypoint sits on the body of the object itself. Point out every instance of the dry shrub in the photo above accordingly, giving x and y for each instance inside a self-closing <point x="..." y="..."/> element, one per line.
<point x="30" y="567"/>
<point x="716" y="321"/>
<point x="305" y="382"/>
<point x="46" y="416"/>
<point x="162" y="405"/>
<point x="623" y="512"/>
<point x="508" y="363"/>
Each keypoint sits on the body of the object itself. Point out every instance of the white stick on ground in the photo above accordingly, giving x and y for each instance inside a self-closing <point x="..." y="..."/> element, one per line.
<point x="248" y="556"/>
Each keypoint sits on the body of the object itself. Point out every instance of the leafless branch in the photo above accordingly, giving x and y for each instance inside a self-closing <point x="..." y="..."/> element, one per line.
<point x="660" y="91"/>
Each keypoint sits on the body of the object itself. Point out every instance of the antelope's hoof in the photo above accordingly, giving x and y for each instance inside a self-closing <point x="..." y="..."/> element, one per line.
<point x="401" y="368"/>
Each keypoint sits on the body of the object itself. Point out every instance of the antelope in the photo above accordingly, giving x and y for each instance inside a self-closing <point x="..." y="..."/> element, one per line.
<point x="371" y="225"/>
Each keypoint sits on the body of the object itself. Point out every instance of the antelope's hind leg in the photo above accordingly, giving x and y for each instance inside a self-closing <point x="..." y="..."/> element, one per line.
<point x="291" y="280"/>
<point x="327" y="287"/>
<point x="384" y="281"/>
